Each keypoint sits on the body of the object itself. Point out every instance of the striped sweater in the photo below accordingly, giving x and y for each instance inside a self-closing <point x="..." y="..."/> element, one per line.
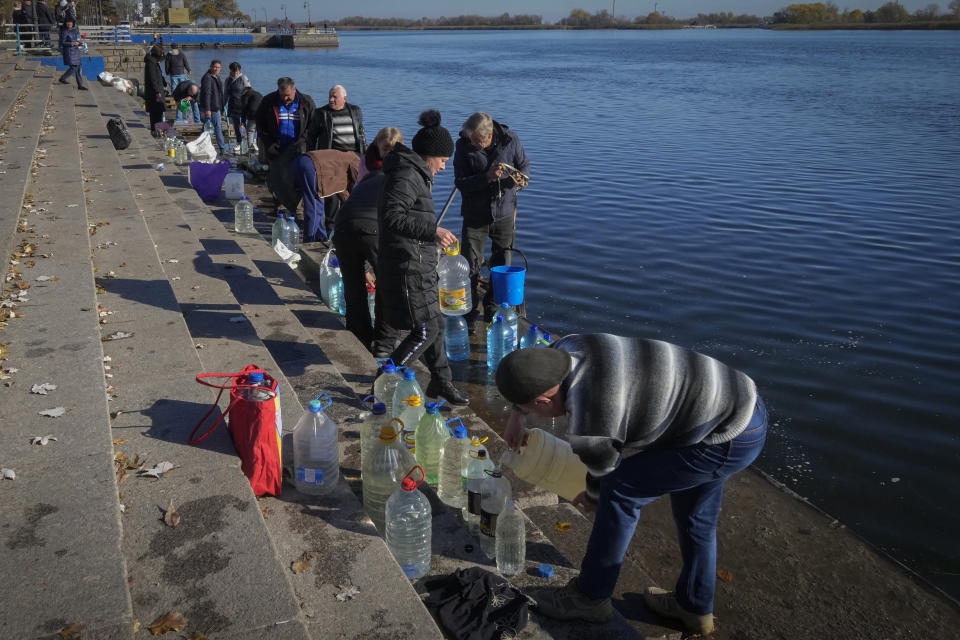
<point x="627" y="395"/>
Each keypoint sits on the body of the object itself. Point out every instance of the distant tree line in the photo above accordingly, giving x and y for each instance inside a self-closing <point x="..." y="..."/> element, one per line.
<point x="504" y="20"/>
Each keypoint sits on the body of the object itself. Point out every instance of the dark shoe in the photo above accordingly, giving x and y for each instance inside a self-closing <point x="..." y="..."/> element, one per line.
<point x="62" y="81"/>
<point x="83" y="88"/>
<point x="569" y="603"/>
<point x="664" y="603"/>
<point x="444" y="389"/>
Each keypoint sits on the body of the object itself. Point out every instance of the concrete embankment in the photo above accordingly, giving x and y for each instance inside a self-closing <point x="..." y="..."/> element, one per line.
<point x="122" y="286"/>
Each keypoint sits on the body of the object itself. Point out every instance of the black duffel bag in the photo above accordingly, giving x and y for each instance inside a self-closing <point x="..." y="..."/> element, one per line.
<point x="119" y="134"/>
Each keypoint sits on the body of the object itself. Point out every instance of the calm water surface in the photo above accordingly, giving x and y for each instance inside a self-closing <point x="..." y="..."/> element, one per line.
<point x="786" y="202"/>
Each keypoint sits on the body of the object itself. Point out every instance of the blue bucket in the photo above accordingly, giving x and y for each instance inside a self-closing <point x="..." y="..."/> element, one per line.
<point x="507" y="283"/>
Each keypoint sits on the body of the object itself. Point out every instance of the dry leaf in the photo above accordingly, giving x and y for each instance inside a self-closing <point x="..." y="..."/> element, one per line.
<point x="347" y="593"/>
<point x="562" y="526"/>
<point x="198" y="636"/>
<point x="119" y="441"/>
<point x="42" y="388"/>
<point x="42" y="440"/>
<point x="172" y="621"/>
<point x="56" y="412"/>
<point x="136" y="626"/>
<point x="726" y="576"/>
<point x="303" y="564"/>
<point x="71" y="631"/>
<point x="171" y="517"/>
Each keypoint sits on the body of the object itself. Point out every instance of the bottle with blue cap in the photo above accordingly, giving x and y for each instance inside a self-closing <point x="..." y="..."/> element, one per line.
<point x="407" y="387"/>
<point x="456" y="337"/>
<point x="375" y="420"/>
<point x="531" y="337"/>
<point x="499" y="339"/>
<point x="450" y="483"/>
<point x="511" y="318"/>
<point x="386" y="383"/>
<point x="255" y="379"/>
<point x="430" y="437"/>
<point x="316" y="452"/>
<point x="332" y="287"/>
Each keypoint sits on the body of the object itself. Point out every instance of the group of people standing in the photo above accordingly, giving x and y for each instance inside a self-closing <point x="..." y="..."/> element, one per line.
<point x="36" y="19"/>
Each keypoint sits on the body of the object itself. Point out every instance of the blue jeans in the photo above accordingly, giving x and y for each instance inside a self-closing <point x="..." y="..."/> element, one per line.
<point x="218" y="129"/>
<point x="694" y="478"/>
<point x="313" y="213"/>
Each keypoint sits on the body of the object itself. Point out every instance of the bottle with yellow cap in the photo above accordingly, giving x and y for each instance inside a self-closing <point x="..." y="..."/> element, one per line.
<point x="406" y="388"/>
<point x="453" y="273"/>
<point x="389" y="461"/>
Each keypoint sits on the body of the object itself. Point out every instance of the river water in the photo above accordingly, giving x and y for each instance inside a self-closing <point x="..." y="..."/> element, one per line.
<point x="786" y="202"/>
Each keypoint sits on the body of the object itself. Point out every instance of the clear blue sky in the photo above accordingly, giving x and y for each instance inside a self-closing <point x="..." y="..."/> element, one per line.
<point x="551" y="10"/>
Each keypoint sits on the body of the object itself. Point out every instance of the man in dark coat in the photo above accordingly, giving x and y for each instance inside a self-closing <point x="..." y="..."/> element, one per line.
<point x="407" y="275"/>
<point x="488" y="194"/>
<point x="212" y="101"/>
<point x="70" y="46"/>
<point x="177" y="67"/>
<point x="154" y="86"/>
<point x="45" y="21"/>
<point x="283" y="122"/>
<point x="337" y="125"/>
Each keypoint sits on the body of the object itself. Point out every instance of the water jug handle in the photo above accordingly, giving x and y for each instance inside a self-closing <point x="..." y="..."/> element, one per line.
<point x="382" y="360"/>
<point x="398" y="421"/>
<point x="328" y="400"/>
<point x="454" y="252"/>
<point x="408" y="483"/>
<point x="370" y="398"/>
<point x="453" y="420"/>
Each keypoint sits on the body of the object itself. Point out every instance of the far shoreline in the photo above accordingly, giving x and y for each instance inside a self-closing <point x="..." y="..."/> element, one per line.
<point x="852" y="26"/>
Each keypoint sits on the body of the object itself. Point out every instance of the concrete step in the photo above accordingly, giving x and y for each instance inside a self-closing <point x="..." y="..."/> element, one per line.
<point x="218" y="566"/>
<point x="14" y="78"/>
<point x="333" y="531"/>
<point x="68" y="485"/>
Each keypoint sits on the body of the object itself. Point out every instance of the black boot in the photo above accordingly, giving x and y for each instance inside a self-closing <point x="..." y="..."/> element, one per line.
<point x="440" y="388"/>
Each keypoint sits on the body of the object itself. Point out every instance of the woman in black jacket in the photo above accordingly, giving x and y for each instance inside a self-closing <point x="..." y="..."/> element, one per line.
<point x="407" y="271"/>
<point x="153" y="86"/>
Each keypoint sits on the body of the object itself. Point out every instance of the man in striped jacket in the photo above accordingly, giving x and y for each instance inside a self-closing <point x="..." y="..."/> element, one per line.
<point x="647" y="418"/>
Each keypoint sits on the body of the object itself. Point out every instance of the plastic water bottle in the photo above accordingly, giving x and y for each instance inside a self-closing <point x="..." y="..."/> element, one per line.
<point x="292" y="234"/>
<point x="334" y="291"/>
<point x="406" y="388"/>
<point x="531" y="337"/>
<point x="256" y="379"/>
<point x="342" y="301"/>
<point x="244" y="145"/>
<point x="413" y="410"/>
<point x="511" y="544"/>
<point x="479" y="464"/>
<point x="371" y="301"/>
<point x="389" y="461"/>
<point x="453" y="272"/>
<point x="386" y="383"/>
<point x="457" y="338"/>
<point x="276" y="231"/>
<point x="450" y="485"/>
<point x="409" y="526"/>
<point x="180" y="153"/>
<point x="208" y="127"/>
<point x="545" y="341"/>
<point x="243" y="216"/>
<point x="498" y="341"/>
<point x="316" y="454"/>
<point x="370" y="428"/>
<point x="494" y="493"/>
<point x="511" y="318"/>
<point x="474" y="445"/>
<point x="431" y="434"/>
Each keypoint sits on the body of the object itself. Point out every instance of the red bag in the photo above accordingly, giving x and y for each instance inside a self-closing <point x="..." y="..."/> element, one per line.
<point x="255" y="427"/>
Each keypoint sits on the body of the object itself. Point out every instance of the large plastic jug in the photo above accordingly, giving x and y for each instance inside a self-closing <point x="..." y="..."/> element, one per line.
<point x="386" y="383"/>
<point x="409" y="526"/>
<point x="406" y="388"/>
<point x="511" y="318"/>
<point x="453" y="272"/>
<point x="499" y="341"/>
<point x="531" y="337"/>
<point x="457" y="338"/>
<point x="412" y="411"/>
<point x="494" y="493"/>
<point x="243" y="216"/>
<point x="450" y="486"/>
<point x="476" y="472"/>
<point x="549" y="463"/>
<point x="276" y="231"/>
<point x="389" y="461"/>
<point x="370" y="428"/>
<point x="430" y="437"/>
<point x="316" y="454"/>
<point x="233" y="185"/>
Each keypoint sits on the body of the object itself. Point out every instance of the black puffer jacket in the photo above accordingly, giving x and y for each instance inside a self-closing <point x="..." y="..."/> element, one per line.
<point x="250" y="100"/>
<point x="485" y="200"/>
<point x="153" y="82"/>
<point x="407" y="269"/>
<point x="211" y="93"/>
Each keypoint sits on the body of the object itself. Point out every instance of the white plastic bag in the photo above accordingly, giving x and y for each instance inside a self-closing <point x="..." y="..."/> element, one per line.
<point x="202" y="149"/>
<point x="105" y="78"/>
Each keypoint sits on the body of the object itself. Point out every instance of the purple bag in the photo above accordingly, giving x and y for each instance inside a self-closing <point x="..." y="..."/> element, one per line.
<point x="207" y="178"/>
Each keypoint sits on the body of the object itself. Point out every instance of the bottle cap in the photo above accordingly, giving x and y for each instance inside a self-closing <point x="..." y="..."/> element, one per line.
<point x="379" y="408"/>
<point x="453" y="249"/>
<point x="511" y="504"/>
<point x="315" y="406"/>
<point x="433" y="407"/>
<point x="254" y="378"/>
<point x="408" y="373"/>
<point x="545" y="571"/>
<point x="409" y="483"/>
<point x="504" y="305"/>
<point x="243" y="197"/>
<point x="387" y="434"/>
<point x="387" y="365"/>
<point x="334" y="262"/>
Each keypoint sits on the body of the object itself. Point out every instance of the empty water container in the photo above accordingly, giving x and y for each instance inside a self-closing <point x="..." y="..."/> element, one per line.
<point x="233" y="185"/>
<point x="316" y="454"/>
<point x="243" y="216"/>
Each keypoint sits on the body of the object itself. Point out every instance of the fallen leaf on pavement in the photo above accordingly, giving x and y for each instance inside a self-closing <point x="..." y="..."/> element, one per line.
<point x="347" y="593"/>
<point x="56" y="412"/>
<point x="119" y="335"/>
<point x="157" y="471"/>
<point x="302" y="564"/>
<point x="119" y="441"/>
<point x="42" y="440"/>
<point x="42" y="388"/>
<point x="562" y="526"/>
<point x="171" y="517"/>
<point x="72" y="631"/>
<point x="172" y="621"/>
<point x="8" y="474"/>
<point x="726" y="576"/>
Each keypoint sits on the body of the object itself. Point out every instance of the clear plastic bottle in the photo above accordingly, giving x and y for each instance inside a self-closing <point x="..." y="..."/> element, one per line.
<point x="208" y="128"/>
<point x="180" y="155"/>
<point x="243" y="216"/>
<point x="530" y="338"/>
<point x="494" y="493"/>
<point x="333" y="291"/>
<point x="409" y="526"/>
<point x="474" y="444"/>
<point x="316" y="454"/>
<point x="431" y="434"/>
<point x="453" y="272"/>
<point x="256" y="379"/>
<point x="386" y="383"/>
<point x="371" y="301"/>
<point x="511" y="544"/>
<point x="342" y="301"/>
<point x="276" y="231"/>
<point x="450" y="485"/>
<point x="370" y="428"/>
<point x="407" y="387"/>
<point x="457" y="338"/>
<point x="476" y="472"/>
<point x="413" y="410"/>
<point x="511" y="318"/>
<point x="389" y="461"/>
<point x="545" y="341"/>
<point x="292" y="234"/>
<point x="498" y="339"/>
<point x="244" y="145"/>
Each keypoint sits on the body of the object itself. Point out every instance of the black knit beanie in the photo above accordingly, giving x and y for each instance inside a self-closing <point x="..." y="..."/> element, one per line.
<point x="525" y="374"/>
<point x="432" y="139"/>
